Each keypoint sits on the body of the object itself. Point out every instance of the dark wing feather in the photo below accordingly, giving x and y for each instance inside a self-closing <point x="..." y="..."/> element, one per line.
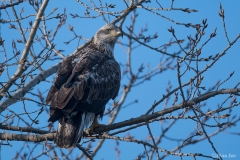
<point x="61" y="77"/>
<point x="95" y="76"/>
<point x="85" y="85"/>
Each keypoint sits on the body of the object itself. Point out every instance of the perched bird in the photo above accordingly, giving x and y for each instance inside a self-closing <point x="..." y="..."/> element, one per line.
<point x="83" y="85"/>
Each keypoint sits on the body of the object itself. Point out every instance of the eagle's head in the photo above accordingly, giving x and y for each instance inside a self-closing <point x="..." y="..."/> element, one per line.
<point x="106" y="37"/>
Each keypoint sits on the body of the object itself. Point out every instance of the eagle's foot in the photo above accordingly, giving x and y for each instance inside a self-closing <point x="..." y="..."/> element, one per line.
<point x="94" y="125"/>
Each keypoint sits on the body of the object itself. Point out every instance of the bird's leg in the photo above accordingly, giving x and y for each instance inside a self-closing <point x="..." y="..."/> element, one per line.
<point x="94" y="125"/>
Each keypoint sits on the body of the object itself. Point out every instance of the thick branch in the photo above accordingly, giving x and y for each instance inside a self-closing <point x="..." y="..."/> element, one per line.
<point x="145" y="118"/>
<point x="127" y="11"/>
<point x="84" y="151"/>
<point x="23" y="129"/>
<point x="10" y="5"/>
<point x="30" y="138"/>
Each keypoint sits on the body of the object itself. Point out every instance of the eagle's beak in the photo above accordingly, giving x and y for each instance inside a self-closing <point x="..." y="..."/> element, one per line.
<point x="117" y="33"/>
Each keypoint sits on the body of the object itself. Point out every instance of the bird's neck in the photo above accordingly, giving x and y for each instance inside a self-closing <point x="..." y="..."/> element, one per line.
<point x="105" y="47"/>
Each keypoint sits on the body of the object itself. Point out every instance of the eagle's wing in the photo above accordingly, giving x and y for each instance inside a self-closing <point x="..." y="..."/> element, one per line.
<point x="82" y="81"/>
<point x="61" y="77"/>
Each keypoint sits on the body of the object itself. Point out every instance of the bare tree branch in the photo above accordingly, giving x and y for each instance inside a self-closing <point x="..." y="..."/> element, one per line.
<point x="23" y="129"/>
<point x="10" y="5"/>
<point x="21" y="66"/>
<point x="29" y="138"/>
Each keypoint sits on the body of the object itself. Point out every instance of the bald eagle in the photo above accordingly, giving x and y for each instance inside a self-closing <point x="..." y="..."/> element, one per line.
<point x="83" y="85"/>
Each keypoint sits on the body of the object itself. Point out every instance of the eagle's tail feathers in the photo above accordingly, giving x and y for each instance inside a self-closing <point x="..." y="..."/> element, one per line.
<point x="70" y="128"/>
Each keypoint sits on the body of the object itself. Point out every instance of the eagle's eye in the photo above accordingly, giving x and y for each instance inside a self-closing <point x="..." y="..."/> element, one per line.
<point x="108" y="30"/>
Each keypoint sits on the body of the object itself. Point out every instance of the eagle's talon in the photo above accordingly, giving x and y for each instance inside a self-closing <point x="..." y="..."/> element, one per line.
<point x="94" y="125"/>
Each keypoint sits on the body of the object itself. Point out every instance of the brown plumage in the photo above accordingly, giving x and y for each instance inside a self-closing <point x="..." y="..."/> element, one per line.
<point x="83" y="85"/>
